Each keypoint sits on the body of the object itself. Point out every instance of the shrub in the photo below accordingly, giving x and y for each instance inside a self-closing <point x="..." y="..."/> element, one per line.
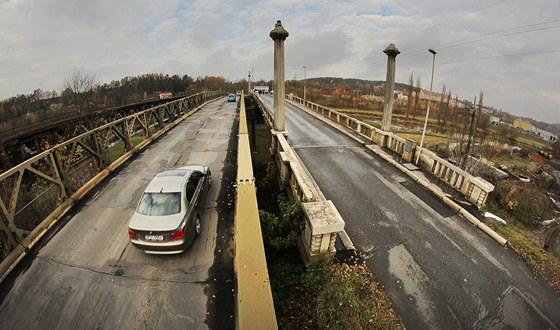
<point x="327" y="295"/>
<point x="281" y="232"/>
<point x="525" y="202"/>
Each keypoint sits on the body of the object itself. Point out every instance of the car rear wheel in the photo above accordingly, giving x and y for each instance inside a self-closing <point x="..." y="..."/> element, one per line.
<point x="197" y="226"/>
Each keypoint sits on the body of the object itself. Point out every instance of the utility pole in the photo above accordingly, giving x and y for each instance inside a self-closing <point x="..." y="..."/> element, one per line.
<point x="304" y="80"/>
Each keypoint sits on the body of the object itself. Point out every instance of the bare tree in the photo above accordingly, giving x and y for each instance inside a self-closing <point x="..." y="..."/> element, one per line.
<point x="410" y="92"/>
<point x="441" y="105"/>
<point x="417" y="98"/>
<point x="478" y="122"/>
<point x="444" y="111"/>
<point x="454" y="109"/>
<point x="80" y="82"/>
<point x="486" y="144"/>
<point x="78" y="91"/>
<point x="470" y="138"/>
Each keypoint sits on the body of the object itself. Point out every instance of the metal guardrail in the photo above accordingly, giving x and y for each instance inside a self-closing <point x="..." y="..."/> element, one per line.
<point x="254" y="304"/>
<point x="474" y="189"/>
<point x="35" y="194"/>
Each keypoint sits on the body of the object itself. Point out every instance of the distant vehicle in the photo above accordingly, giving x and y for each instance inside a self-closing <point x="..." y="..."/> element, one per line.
<point x="167" y="219"/>
<point x="231" y="98"/>
<point x="545" y="154"/>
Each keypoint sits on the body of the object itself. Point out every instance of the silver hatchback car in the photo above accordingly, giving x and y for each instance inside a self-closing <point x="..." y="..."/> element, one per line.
<point x="167" y="219"/>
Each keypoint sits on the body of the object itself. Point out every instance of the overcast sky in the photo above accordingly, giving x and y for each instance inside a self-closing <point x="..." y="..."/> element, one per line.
<point x="510" y="49"/>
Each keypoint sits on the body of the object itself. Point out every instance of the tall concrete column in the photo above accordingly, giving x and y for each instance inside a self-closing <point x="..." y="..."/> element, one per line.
<point x="249" y="90"/>
<point x="392" y="53"/>
<point x="278" y="34"/>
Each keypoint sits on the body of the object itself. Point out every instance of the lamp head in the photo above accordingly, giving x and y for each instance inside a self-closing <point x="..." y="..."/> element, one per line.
<point x="432" y="51"/>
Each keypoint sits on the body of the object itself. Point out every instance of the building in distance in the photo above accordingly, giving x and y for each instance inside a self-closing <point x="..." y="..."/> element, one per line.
<point x="261" y="89"/>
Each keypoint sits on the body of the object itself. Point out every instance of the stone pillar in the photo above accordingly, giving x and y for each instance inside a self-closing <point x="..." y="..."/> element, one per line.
<point x="322" y="223"/>
<point x="392" y="53"/>
<point x="279" y="35"/>
<point x="249" y="91"/>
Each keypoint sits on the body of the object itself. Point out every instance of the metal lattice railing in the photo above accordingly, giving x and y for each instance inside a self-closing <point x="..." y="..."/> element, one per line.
<point x="37" y="192"/>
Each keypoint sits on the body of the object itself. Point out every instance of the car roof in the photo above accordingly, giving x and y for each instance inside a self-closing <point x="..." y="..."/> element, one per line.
<point x="172" y="180"/>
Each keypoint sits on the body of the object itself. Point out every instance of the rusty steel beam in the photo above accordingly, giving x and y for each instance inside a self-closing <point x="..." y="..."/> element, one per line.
<point x="114" y="113"/>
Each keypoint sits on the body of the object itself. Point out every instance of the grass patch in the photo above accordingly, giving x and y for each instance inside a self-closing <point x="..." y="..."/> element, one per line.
<point x="533" y="141"/>
<point x="373" y="123"/>
<point x="513" y="161"/>
<point x="349" y="298"/>
<point x="118" y="149"/>
<point x="370" y="112"/>
<point x="543" y="264"/>
<point x="328" y="294"/>
<point x="429" y="139"/>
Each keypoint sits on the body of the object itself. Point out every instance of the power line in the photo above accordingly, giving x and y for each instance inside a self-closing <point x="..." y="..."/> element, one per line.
<point x="500" y="36"/>
<point x="475" y="59"/>
<point x="490" y="35"/>
<point x="472" y="59"/>
<point x="455" y="18"/>
<point x="457" y="43"/>
<point x="506" y="30"/>
<point x="474" y="39"/>
<point x="503" y="55"/>
<point x="430" y="27"/>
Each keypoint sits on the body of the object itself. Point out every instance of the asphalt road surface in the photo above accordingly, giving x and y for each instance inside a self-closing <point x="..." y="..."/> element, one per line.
<point x="87" y="275"/>
<point x="439" y="271"/>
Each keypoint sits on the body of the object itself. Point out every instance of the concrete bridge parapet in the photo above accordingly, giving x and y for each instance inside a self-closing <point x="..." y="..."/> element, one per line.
<point x="322" y="220"/>
<point x="322" y="224"/>
<point x="474" y="189"/>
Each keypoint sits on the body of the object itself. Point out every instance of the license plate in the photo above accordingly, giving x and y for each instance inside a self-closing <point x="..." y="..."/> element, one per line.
<point x="154" y="237"/>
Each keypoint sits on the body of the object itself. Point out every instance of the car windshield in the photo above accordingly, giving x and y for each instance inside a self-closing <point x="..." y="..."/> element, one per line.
<point x="157" y="204"/>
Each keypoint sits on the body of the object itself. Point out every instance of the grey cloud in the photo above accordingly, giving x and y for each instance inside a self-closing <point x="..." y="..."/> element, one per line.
<point x="42" y="41"/>
<point x="318" y="51"/>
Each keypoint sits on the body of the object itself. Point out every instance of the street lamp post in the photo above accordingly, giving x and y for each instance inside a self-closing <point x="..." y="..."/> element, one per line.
<point x="304" y="80"/>
<point x="429" y="102"/>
